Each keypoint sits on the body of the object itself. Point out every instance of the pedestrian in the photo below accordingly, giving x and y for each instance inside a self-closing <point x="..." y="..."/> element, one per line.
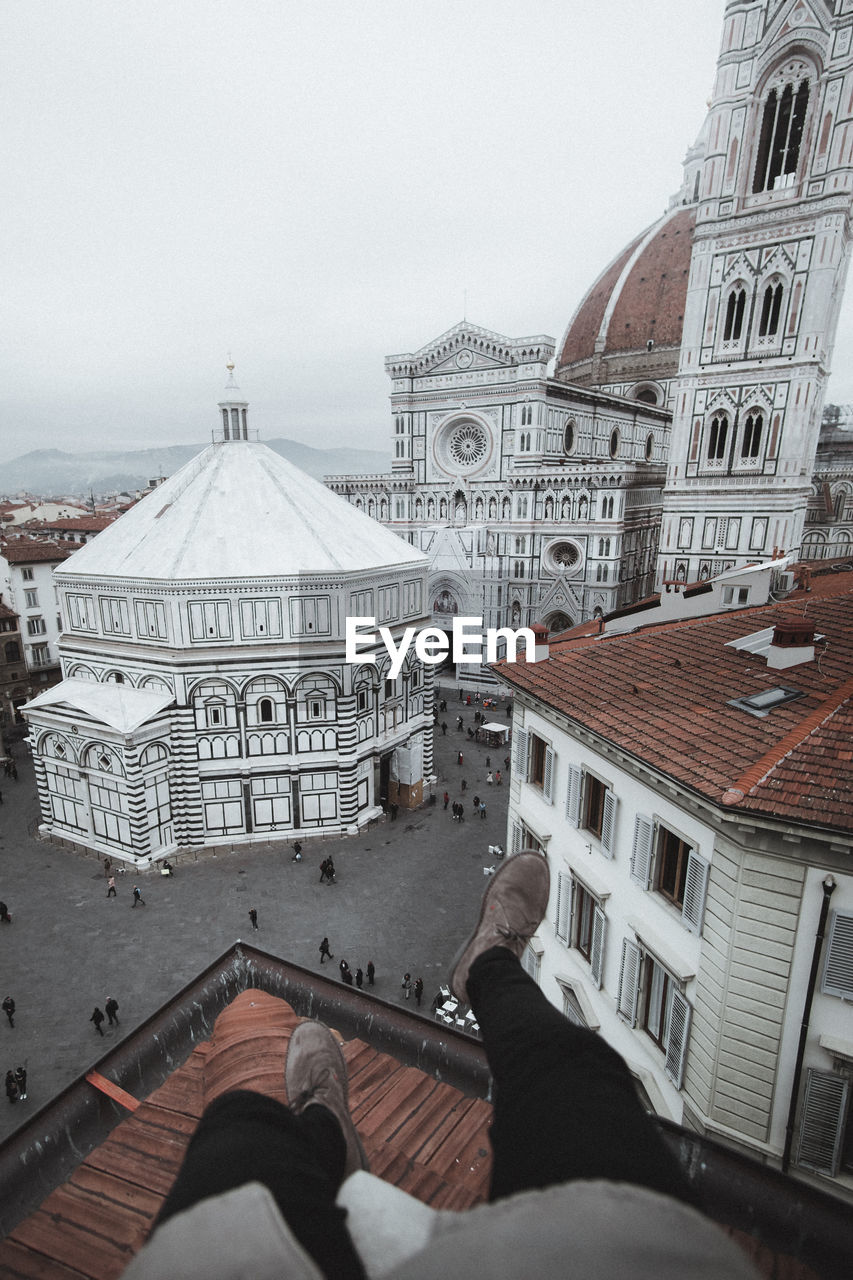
<point x="477" y="695"/>
<point x="297" y="852"/>
<point x="446" y="798"/>
<point x="498" y="778"/>
<point x="464" y="784"/>
<point x="111" y="887"/>
<point x="5" y="918"/>
<point x="344" y="968"/>
<point x="137" y="896"/>
<point x="489" y="779"/>
<point x="348" y="977"/>
<point x="459" y="723"/>
<point x="461" y="695"/>
<point x="461" y="811"/>
<point x="11" y="1087"/>
<point x="325" y="951"/>
<point x="506" y="762"/>
<point x="419" y="990"/>
<point x="406" y="984"/>
<point x="482" y="808"/>
<point x="476" y="802"/>
<point x="395" y="809"/>
<point x="108" y="865"/>
<point x="21" y="1082"/>
<point x="7" y="767"/>
<point x="467" y="700"/>
<point x="359" y="978"/>
<point x="9" y="1010"/>
<point x="371" y="973"/>
<point x="97" y="1017"/>
<point x="111" y="1008"/>
<point x="444" y="728"/>
<point x="253" y="916"/>
<point x="330" y="870"/>
<point x="324" y="867"/>
<point x="488" y="762"/>
<point x="14" y="772"/>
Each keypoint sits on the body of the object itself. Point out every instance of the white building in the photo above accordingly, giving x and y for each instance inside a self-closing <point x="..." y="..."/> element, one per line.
<point x="206" y="696"/>
<point x="690" y="783"/>
<point x="26" y="582"/>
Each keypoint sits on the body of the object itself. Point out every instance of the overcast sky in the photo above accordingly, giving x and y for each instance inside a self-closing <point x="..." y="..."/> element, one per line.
<point x="312" y="185"/>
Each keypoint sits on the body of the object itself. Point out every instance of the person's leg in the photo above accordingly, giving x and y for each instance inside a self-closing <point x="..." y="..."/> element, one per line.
<point x="565" y="1104"/>
<point x="248" y="1137"/>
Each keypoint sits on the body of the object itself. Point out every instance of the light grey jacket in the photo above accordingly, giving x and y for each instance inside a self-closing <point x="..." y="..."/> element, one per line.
<point x="588" y="1230"/>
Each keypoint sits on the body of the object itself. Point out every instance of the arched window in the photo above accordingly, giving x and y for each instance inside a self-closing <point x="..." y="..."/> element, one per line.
<point x="614" y="442"/>
<point x="522" y="507"/>
<point x="569" y="436"/>
<point x="781" y="135"/>
<point x="650" y="444"/>
<point x="518" y="569"/>
<point x="771" y="306"/>
<point x="266" y="710"/>
<point x="733" y="323"/>
<point x="751" y="441"/>
<point x="717" y="437"/>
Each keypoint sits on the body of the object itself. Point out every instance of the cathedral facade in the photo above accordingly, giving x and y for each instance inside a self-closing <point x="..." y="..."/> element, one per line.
<point x="206" y="697"/>
<point x="672" y="434"/>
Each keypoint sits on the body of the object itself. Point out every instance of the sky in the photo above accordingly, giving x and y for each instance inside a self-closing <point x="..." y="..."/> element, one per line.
<point x="311" y="187"/>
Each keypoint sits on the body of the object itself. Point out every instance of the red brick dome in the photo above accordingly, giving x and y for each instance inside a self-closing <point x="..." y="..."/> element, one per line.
<point x="638" y="299"/>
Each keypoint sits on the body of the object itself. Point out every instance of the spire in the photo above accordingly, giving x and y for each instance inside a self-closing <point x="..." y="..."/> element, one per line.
<point x="233" y="408"/>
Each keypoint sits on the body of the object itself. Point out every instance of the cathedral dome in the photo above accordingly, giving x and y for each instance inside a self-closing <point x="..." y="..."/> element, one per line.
<point x="239" y="510"/>
<point x="628" y="326"/>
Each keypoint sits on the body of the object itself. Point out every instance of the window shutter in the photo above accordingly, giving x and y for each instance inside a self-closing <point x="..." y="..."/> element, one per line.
<point x="629" y="982"/>
<point x="695" y="888"/>
<point x="596" y="957"/>
<point x="519" y="754"/>
<point x="517" y="835"/>
<point x="821" y="1127"/>
<point x="565" y="887"/>
<point x="608" y="823"/>
<point x="679" y="1030"/>
<point x="548" y="778"/>
<point x="838" y="966"/>
<point x="641" y="854"/>
<point x="573" y="795"/>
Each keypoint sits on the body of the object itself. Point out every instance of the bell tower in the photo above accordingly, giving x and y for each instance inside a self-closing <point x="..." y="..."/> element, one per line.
<point x="767" y="271"/>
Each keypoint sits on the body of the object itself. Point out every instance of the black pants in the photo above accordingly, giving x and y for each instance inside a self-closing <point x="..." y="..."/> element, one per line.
<point x="247" y="1137"/>
<point x="565" y="1107"/>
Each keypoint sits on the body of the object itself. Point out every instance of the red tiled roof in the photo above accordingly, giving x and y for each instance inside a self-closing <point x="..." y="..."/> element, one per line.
<point x="650" y="302"/>
<point x="662" y="694"/>
<point x="6" y="612"/>
<point x="419" y="1134"/>
<point x="29" y="551"/>
<point x="93" y="524"/>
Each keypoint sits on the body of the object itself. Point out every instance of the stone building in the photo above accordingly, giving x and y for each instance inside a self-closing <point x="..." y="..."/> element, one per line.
<point x="206" y="696"/>
<point x="13" y="671"/>
<point x="702" y="348"/>
<point x="690" y="785"/>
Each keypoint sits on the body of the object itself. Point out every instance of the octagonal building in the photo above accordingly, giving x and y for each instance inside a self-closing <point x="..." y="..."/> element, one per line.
<point x="206" y="697"/>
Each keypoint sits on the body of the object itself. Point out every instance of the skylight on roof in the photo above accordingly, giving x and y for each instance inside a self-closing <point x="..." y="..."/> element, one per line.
<point x="760" y="704"/>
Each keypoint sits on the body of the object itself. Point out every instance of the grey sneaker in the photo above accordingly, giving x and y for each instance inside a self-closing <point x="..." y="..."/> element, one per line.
<point x="513" y="906"/>
<point x="315" y="1072"/>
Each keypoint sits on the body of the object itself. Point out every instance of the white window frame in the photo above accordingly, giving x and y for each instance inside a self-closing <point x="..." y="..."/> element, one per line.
<point x="576" y="792"/>
<point x="644" y="853"/>
<point x="567" y="924"/>
<point x="633" y="973"/>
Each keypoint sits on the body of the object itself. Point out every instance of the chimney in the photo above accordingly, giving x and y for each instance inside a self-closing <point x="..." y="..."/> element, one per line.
<point x="540" y="648"/>
<point x="792" y="643"/>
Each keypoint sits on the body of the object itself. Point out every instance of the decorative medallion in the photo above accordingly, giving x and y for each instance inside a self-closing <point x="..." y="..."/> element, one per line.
<point x="464" y="360"/>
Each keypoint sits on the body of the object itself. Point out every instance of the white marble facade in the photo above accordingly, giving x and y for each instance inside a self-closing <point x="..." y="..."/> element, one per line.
<point x="206" y="697"/>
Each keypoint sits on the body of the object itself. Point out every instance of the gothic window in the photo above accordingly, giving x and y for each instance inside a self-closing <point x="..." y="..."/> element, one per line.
<point x="733" y="323"/>
<point x="518" y="569"/>
<point x="781" y="135"/>
<point x="569" y="436"/>
<point x="650" y="444"/>
<point x="771" y="306"/>
<point x="717" y="437"/>
<point x="266" y="710"/>
<point x="751" y="441"/>
<point x="614" y="442"/>
<point x="522" y="507"/>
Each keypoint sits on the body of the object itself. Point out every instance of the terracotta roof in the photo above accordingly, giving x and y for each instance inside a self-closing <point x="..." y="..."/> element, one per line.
<point x="6" y="612"/>
<point x="417" y="1093"/>
<point x="420" y="1134"/>
<point x="662" y="694"/>
<point x="70" y="524"/>
<point x="29" y="551"/>
<point x="645" y="297"/>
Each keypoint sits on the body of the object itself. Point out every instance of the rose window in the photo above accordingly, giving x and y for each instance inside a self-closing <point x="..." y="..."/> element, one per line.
<point x="467" y="444"/>
<point x="563" y="555"/>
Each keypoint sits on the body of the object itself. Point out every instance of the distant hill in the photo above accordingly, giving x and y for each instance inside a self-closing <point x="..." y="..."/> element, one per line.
<point x="51" y="472"/>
